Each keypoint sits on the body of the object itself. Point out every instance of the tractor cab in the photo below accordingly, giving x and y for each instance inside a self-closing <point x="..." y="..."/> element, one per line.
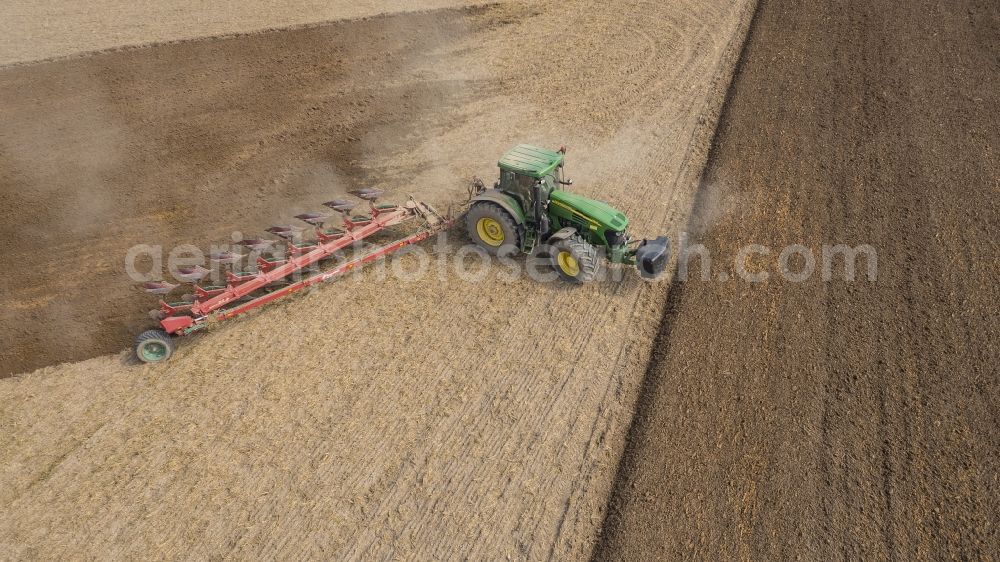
<point x="531" y="174"/>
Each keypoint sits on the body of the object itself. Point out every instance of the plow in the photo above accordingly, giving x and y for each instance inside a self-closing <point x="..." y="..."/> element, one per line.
<point x="279" y="267"/>
<point x="527" y="211"/>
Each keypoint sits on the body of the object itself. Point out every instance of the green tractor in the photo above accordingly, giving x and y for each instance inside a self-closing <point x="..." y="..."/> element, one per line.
<point x="528" y="210"/>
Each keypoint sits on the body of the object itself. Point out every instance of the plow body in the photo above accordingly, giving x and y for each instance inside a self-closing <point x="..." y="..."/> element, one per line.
<point x="245" y="291"/>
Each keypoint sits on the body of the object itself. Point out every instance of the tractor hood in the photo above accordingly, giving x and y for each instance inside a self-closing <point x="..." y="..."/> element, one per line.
<point x="597" y="211"/>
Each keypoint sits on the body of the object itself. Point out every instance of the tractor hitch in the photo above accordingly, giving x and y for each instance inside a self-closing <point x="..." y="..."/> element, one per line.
<point x="651" y="257"/>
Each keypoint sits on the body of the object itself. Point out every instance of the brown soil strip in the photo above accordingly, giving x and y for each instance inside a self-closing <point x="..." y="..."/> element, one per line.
<point x="835" y="419"/>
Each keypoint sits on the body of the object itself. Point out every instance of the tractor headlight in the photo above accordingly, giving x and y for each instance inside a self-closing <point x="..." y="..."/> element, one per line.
<point x="615" y="238"/>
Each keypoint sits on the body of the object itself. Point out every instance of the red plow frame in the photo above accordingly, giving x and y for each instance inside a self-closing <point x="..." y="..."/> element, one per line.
<point x="212" y="304"/>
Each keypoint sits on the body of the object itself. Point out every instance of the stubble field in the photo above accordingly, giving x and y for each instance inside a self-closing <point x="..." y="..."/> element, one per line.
<point x="374" y="416"/>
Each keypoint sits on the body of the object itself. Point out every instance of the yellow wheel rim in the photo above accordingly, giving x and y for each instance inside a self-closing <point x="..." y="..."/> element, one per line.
<point x="490" y="231"/>
<point x="567" y="263"/>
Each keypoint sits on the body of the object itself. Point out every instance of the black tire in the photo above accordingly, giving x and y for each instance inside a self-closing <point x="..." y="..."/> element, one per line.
<point x="585" y="264"/>
<point x="153" y="346"/>
<point x="503" y="227"/>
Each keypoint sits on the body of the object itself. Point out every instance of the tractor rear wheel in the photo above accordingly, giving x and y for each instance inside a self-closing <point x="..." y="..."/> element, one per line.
<point x="491" y="227"/>
<point x="576" y="260"/>
<point x="153" y="346"/>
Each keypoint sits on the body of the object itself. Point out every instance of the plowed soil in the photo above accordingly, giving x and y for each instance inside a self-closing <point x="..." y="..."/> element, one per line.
<point x="836" y="420"/>
<point x="192" y="142"/>
<point x="374" y="417"/>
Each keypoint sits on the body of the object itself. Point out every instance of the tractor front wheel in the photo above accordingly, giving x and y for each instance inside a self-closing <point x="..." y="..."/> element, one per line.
<point x="491" y="227"/>
<point x="153" y="346"/>
<point x="576" y="260"/>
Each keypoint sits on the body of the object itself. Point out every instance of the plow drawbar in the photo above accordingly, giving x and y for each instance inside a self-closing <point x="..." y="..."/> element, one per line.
<point x="245" y="291"/>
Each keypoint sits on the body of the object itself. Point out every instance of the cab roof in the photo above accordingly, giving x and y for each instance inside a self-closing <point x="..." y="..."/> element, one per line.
<point x="531" y="161"/>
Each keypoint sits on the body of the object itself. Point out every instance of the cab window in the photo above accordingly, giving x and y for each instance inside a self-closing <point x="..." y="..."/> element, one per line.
<point x="525" y="183"/>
